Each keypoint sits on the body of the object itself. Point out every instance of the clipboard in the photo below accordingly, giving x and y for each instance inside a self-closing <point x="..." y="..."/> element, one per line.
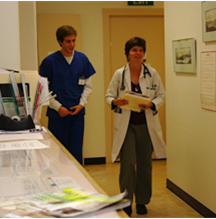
<point x="134" y="100"/>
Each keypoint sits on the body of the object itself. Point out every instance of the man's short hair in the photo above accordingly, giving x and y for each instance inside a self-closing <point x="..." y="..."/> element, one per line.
<point x="64" y="31"/>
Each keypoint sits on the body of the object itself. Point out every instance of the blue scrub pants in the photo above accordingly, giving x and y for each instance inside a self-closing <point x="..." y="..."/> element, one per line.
<point x="136" y="164"/>
<point x="69" y="131"/>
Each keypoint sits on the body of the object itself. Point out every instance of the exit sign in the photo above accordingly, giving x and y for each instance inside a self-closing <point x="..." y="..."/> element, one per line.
<point x="138" y="3"/>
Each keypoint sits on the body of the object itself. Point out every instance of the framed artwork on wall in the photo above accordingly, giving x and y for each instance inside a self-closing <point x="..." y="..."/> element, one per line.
<point x="184" y="55"/>
<point x="209" y="21"/>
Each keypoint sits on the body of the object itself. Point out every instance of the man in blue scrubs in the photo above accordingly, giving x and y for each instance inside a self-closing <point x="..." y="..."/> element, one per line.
<point x="69" y="74"/>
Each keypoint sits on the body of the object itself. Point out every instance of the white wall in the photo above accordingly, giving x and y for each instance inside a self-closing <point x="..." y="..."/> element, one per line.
<point x="18" y="46"/>
<point x="191" y="131"/>
<point x="92" y="46"/>
<point x="9" y="35"/>
<point x="28" y="35"/>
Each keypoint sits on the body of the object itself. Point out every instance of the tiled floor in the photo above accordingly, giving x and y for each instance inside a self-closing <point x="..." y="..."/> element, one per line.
<point x="164" y="204"/>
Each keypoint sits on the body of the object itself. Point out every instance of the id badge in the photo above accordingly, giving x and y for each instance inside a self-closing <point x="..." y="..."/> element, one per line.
<point x="81" y="81"/>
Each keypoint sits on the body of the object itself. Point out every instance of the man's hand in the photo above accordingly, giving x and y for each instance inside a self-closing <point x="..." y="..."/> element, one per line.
<point x="75" y="109"/>
<point x="62" y="111"/>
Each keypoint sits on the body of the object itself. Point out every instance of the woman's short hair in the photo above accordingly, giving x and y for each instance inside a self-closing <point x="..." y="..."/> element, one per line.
<point x="135" y="41"/>
<point x="64" y="31"/>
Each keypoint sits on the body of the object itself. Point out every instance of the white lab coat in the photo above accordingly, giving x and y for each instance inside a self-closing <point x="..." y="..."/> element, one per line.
<point x="121" y="120"/>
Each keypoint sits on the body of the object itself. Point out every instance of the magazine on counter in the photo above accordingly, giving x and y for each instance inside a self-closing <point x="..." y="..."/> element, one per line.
<point x="68" y="202"/>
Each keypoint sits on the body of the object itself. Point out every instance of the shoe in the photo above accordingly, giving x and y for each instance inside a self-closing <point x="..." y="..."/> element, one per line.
<point x="141" y="209"/>
<point x="128" y="210"/>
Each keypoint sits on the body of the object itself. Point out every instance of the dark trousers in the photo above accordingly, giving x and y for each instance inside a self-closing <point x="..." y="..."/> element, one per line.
<point x="69" y="131"/>
<point x="136" y="164"/>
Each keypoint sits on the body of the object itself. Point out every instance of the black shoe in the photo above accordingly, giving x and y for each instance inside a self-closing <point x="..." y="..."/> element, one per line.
<point x="141" y="209"/>
<point x="128" y="210"/>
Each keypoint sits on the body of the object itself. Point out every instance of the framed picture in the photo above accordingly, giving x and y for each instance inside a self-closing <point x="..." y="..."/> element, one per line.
<point x="209" y="21"/>
<point x="184" y="55"/>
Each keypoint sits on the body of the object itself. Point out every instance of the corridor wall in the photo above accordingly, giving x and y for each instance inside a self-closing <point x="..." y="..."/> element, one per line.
<point x="191" y="130"/>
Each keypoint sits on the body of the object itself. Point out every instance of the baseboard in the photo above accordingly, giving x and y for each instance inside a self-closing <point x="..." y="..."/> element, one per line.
<point x="102" y="160"/>
<point x="158" y="159"/>
<point x="94" y="160"/>
<point x="200" y="208"/>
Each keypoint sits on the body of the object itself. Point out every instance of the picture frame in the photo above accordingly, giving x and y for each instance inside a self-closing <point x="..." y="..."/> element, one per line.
<point x="184" y="55"/>
<point x="209" y="21"/>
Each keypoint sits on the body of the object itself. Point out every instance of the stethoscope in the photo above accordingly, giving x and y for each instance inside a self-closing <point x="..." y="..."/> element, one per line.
<point x="146" y="71"/>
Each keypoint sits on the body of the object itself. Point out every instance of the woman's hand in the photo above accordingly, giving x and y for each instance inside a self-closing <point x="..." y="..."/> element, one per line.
<point x="120" y="102"/>
<point x="146" y="106"/>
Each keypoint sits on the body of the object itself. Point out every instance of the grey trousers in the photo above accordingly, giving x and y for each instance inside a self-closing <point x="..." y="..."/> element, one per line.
<point x="136" y="164"/>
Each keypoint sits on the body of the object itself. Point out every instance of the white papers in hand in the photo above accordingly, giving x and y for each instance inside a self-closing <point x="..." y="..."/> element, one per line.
<point x="134" y="99"/>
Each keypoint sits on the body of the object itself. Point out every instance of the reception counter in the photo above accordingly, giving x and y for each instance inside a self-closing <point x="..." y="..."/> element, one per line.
<point x="27" y="172"/>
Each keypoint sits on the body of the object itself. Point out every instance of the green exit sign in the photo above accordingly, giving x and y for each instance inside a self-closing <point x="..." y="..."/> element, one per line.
<point x="138" y="3"/>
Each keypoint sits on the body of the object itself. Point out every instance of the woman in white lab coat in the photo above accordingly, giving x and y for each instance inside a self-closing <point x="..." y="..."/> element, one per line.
<point x="136" y="134"/>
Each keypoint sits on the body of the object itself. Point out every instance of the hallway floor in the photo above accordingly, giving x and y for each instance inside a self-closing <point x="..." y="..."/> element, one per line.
<point x="164" y="204"/>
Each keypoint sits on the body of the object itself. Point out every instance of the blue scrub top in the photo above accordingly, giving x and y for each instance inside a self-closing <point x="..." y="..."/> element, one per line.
<point x="64" y="78"/>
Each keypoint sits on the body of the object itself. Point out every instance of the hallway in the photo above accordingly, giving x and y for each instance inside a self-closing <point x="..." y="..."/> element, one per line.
<point x="164" y="204"/>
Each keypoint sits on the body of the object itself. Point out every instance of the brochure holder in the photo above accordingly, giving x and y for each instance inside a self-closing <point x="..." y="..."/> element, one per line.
<point x="31" y="78"/>
<point x="31" y="81"/>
